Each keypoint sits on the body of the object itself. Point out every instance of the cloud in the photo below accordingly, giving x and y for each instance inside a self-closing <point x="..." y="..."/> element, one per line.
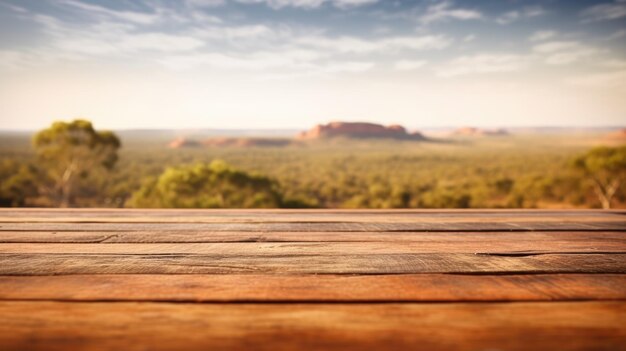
<point x="309" y="4"/>
<point x="604" y="12"/>
<point x="564" y="52"/>
<point x="542" y="35"/>
<point x="275" y="65"/>
<point x="131" y="16"/>
<point x="526" y="12"/>
<point x="444" y="11"/>
<point x="15" y="8"/>
<point x="409" y="65"/>
<point x="128" y="44"/>
<point x="482" y="63"/>
<point x="347" y="44"/>
<point x="235" y="32"/>
<point x="617" y="35"/>
<point x="205" y="3"/>
<point x="261" y="60"/>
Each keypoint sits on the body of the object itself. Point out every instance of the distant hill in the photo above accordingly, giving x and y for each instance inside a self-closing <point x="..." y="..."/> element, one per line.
<point x="248" y="142"/>
<point x="471" y="131"/>
<point x="357" y="130"/>
<point x="183" y="142"/>
<point x="229" y="141"/>
<point x="616" y="137"/>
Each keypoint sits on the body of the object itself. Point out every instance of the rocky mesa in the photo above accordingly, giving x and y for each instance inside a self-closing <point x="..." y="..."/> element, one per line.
<point x="357" y="130"/>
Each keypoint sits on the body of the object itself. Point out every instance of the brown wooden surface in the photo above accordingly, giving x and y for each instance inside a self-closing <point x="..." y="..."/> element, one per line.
<point x="406" y="326"/>
<point x="515" y="238"/>
<point x="299" y="279"/>
<point x="315" y="288"/>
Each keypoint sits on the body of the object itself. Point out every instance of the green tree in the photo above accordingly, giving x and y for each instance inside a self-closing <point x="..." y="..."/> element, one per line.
<point x="214" y="185"/>
<point x="606" y="168"/>
<point x="18" y="183"/>
<point x="69" y="152"/>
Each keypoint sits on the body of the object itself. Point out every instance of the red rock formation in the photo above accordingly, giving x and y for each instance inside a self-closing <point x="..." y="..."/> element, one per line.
<point x="617" y="137"/>
<point x="618" y="134"/>
<point x="357" y="130"/>
<point x="183" y="142"/>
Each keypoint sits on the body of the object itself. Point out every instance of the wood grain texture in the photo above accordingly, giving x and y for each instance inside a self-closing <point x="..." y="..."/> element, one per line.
<point x="298" y="215"/>
<point x="299" y="279"/>
<point x="315" y="288"/>
<point x="325" y="249"/>
<point x="505" y="238"/>
<point x="453" y="326"/>
<point x="54" y="264"/>
<point x="310" y="218"/>
<point x="511" y="225"/>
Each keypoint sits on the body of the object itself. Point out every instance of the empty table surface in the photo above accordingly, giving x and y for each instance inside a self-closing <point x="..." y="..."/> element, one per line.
<point x="108" y="279"/>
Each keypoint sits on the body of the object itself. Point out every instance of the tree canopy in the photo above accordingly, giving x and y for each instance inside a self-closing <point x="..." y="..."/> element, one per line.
<point x="70" y="151"/>
<point x="214" y="185"/>
<point x="606" y="168"/>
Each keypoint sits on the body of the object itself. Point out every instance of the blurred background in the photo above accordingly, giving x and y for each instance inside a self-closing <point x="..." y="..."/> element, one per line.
<point x="313" y="103"/>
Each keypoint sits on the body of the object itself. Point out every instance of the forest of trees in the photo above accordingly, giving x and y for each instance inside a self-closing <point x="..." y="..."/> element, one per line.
<point x="71" y="164"/>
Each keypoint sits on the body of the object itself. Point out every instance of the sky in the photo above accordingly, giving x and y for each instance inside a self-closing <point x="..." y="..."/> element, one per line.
<point x="277" y="64"/>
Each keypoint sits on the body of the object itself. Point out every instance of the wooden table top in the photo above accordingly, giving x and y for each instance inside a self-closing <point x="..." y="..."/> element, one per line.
<point x="312" y="279"/>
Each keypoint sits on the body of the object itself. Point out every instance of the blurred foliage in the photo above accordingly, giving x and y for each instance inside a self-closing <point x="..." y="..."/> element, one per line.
<point x="605" y="167"/>
<point x="67" y="153"/>
<point x="216" y="185"/>
<point x="517" y="171"/>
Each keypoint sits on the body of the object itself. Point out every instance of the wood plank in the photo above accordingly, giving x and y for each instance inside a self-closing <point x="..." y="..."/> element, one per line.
<point x="324" y="226"/>
<point x="449" y="326"/>
<point x="495" y="246"/>
<point x="56" y="264"/>
<point x="268" y="216"/>
<point x="591" y="238"/>
<point x="295" y="213"/>
<point x="315" y="288"/>
<point x="314" y="218"/>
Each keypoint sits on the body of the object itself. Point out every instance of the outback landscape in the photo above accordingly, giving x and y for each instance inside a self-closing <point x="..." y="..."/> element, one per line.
<point x="333" y="165"/>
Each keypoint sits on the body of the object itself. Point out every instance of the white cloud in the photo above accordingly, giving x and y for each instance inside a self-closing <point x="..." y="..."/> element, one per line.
<point x="445" y="10"/>
<point x="15" y="8"/>
<point x="309" y="4"/>
<point x="604" y="12"/>
<point x="482" y="63"/>
<point x="542" y="35"/>
<point x="617" y="35"/>
<point x="469" y="38"/>
<point x="409" y="65"/>
<point x="508" y="17"/>
<point x="285" y="59"/>
<point x="564" y="52"/>
<point x="526" y="12"/>
<point x="131" y="16"/>
<point x="159" y="42"/>
<point x="205" y="3"/>
<point x="352" y="3"/>
<point x="355" y="45"/>
<point x="128" y="43"/>
<point x="241" y="32"/>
